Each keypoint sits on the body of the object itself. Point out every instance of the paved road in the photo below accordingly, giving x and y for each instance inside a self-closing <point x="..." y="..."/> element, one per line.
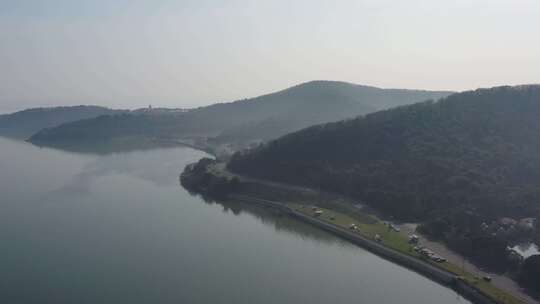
<point x="501" y="281"/>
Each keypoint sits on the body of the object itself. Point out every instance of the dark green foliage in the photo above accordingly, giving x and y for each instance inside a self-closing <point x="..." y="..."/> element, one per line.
<point x="438" y="228"/>
<point x="196" y="178"/>
<point x="485" y="250"/>
<point x="454" y="165"/>
<point x="105" y="128"/>
<point x="529" y="275"/>
<point x="476" y="150"/>
<point x="261" y="118"/>
<point x="25" y="123"/>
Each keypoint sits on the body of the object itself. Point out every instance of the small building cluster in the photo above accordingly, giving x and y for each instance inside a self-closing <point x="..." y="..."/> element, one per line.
<point x="508" y="227"/>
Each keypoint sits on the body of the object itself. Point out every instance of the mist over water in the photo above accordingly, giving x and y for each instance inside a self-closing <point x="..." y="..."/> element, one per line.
<point x="118" y="228"/>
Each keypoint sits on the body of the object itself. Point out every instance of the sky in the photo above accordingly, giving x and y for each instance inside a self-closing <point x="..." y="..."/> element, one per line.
<point x="132" y="53"/>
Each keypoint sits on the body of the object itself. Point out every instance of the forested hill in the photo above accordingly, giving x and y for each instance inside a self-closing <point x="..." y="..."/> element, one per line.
<point x="476" y="151"/>
<point x="260" y="118"/>
<point x="23" y="124"/>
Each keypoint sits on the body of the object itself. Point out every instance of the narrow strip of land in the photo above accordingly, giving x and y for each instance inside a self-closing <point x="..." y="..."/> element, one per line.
<point x="339" y="215"/>
<point x="472" y="289"/>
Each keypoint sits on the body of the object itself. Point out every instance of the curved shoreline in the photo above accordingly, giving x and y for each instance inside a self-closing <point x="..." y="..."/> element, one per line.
<point x="436" y="274"/>
<point x="211" y="178"/>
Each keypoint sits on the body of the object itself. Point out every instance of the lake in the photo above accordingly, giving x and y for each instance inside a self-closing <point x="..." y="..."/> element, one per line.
<point x="118" y="228"/>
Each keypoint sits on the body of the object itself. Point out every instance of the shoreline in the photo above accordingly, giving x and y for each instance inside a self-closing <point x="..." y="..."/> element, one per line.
<point x="469" y="286"/>
<point x="125" y="144"/>
<point x="502" y="281"/>
<point x="434" y="273"/>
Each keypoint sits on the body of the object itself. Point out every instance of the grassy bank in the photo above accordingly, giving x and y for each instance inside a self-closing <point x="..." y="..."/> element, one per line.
<point x="399" y="242"/>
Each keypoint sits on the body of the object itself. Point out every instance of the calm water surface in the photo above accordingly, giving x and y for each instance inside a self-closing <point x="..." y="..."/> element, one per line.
<point x="118" y="228"/>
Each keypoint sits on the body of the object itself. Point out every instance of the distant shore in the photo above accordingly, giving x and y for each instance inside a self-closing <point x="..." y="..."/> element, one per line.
<point x="123" y="144"/>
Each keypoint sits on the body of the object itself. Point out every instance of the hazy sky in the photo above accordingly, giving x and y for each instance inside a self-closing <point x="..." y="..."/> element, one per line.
<point x="131" y="53"/>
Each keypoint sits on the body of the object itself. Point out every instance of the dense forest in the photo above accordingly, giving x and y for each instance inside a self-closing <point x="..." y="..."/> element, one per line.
<point x="257" y="119"/>
<point x="23" y="124"/>
<point x="530" y="273"/>
<point x="458" y="164"/>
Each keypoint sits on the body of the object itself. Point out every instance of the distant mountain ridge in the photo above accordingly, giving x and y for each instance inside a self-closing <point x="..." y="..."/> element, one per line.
<point x="260" y="118"/>
<point x="25" y="123"/>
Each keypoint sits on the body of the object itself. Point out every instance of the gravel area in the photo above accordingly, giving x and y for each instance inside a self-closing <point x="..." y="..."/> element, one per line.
<point x="501" y="281"/>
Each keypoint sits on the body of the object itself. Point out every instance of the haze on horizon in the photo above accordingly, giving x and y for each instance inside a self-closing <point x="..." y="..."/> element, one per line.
<point x="131" y="53"/>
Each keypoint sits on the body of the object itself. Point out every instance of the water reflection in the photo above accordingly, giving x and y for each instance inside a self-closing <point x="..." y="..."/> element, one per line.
<point x="159" y="169"/>
<point x="280" y="222"/>
<point x="106" y="147"/>
<point x="118" y="228"/>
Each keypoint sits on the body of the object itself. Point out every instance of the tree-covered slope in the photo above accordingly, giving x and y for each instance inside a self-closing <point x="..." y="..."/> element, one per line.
<point x="259" y="118"/>
<point x="25" y="123"/>
<point x="476" y="151"/>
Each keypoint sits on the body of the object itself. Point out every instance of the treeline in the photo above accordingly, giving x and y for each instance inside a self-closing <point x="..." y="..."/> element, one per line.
<point x="196" y="178"/>
<point x="475" y="150"/>
<point x="25" y="123"/>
